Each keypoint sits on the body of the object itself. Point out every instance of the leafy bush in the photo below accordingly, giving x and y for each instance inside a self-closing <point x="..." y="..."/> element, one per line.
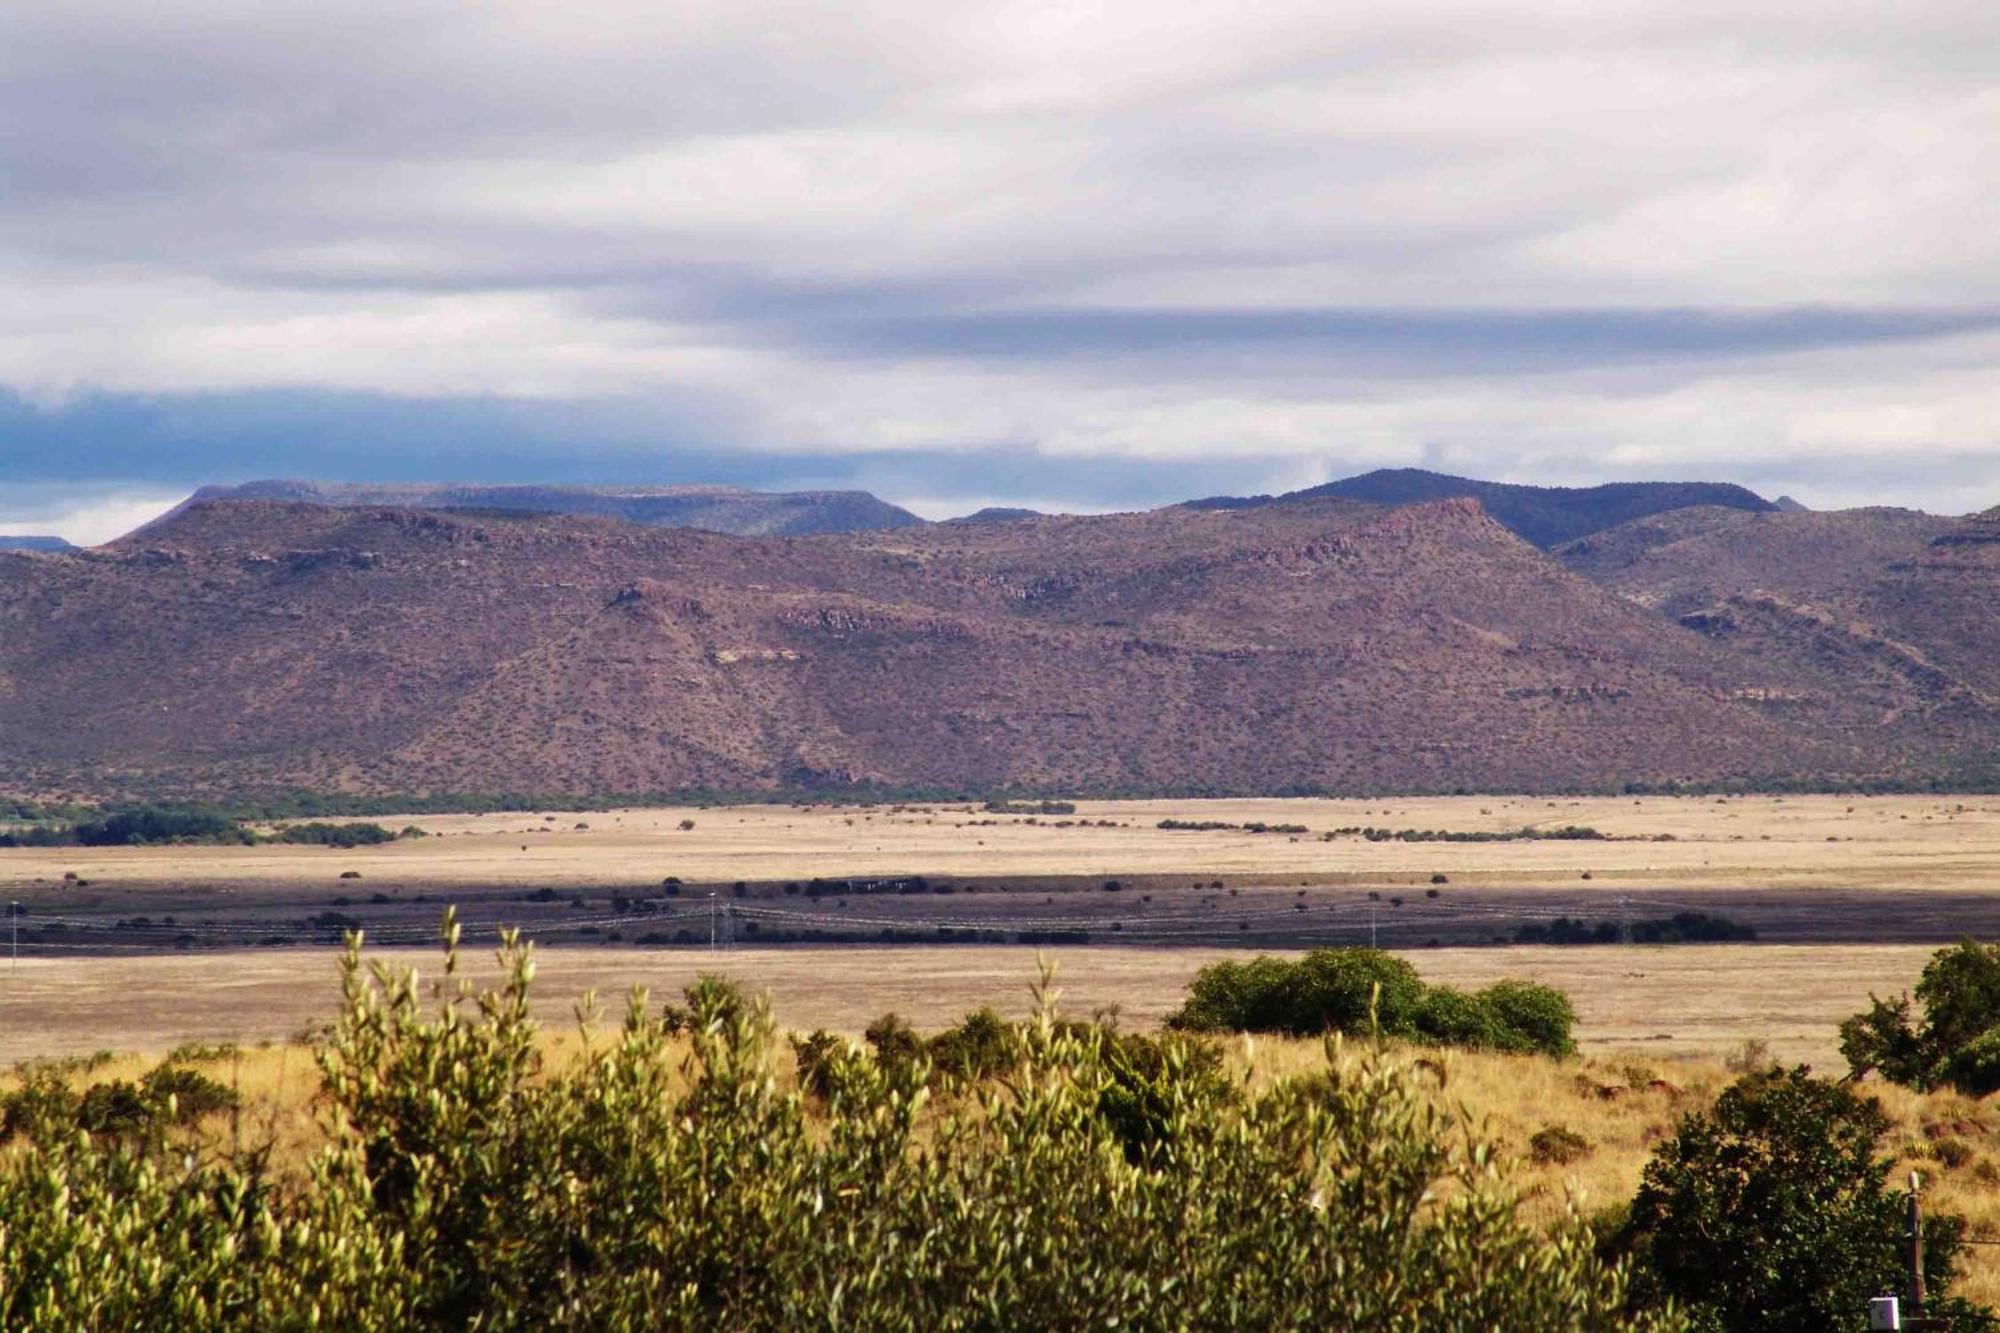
<point x="318" y="834"/>
<point x="670" y="1183"/>
<point x="1768" y="1213"/>
<point x="1532" y="1017"/>
<point x="982" y="1045"/>
<point x="1359" y="990"/>
<point x="1558" y="1145"/>
<point x="899" y="1050"/>
<point x="46" y="1108"/>
<point x="1957" y="1043"/>
<point x="817" y="1058"/>
<point x="1452" y="1018"/>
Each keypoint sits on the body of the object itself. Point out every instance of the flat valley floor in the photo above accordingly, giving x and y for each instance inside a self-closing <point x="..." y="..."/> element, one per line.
<point x="1664" y="1001"/>
<point x="144" y="948"/>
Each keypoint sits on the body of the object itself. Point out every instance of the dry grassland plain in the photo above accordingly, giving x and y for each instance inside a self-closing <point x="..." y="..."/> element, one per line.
<point x="1660" y="1001"/>
<point x="1695" y="1000"/>
<point x="1936" y="843"/>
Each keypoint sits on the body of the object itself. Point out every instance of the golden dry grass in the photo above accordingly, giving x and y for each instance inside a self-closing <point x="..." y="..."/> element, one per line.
<point x="1737" y="842"/>
<point x="1671" y="1000"/>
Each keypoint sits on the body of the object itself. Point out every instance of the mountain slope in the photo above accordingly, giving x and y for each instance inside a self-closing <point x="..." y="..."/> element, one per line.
<point x="34" y="544"/>
<point x="711" y="508"/>
<point x="1875" y="621"/>
<point x="1542" y="515"/>
<point x="1320" y="644"/>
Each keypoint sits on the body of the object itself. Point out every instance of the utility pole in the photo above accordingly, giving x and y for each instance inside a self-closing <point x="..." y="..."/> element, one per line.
<point x="14" y="929"/>
<point x="711" y="921"/>
<point x="1624" y="922"/>
<point x="1916" y="1251"/>
<point x="1371" y="924"/>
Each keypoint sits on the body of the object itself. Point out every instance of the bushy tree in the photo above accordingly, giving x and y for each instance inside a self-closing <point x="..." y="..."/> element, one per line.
<point x="1368" y="990"/>
<point x="1957" y="1042"/>
<point x="1769" y="1213"/>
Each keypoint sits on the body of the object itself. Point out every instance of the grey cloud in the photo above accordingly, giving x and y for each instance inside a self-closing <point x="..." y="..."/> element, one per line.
<point x="1399" y="341"/>
<point x="1051" y="241"/>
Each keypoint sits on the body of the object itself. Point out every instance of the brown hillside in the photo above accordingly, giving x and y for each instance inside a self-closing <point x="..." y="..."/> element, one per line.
<point x="1321" y="644"/>
<point x="1876" y="622"/>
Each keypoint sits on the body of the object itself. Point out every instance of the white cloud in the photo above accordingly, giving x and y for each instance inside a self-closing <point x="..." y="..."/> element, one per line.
<point x="754" y="204"/>
<point x="84" y="516"/>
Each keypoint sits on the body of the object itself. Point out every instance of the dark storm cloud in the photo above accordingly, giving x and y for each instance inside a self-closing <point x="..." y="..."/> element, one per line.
<point x="168" y="442"/>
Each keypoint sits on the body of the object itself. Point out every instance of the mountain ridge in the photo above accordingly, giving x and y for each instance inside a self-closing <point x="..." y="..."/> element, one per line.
<point x="711" y="508"/>
<point x="1544" y="516"/>
<point x="1327" y="645"/>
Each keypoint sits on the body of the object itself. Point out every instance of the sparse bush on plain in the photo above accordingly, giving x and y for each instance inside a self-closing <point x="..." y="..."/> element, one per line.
<point x="46" y="1108"/>
<point x="321" y="834"/>
<point x="1558" y="1145"/>
<point x="1680" y="928"/>
<point x="1363" y="990"/>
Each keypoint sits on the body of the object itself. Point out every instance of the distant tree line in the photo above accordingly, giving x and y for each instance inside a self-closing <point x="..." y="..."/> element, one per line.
<point x="1680" y="928"/>
<point x="153" y="825"/>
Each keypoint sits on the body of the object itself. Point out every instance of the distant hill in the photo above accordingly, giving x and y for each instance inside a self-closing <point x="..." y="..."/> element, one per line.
<point x="1309" y="643"/>
<point x="1316" y="645"/>
<point x="1546" y="516"/>
<point x="1876" y="623"/>
<point x="34" y="544"/>
<point x="995" y="514"/>
<point x="710" y="508"/>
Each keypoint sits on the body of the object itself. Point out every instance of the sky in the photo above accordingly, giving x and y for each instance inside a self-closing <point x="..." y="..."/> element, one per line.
<point x="1074" y="256"/>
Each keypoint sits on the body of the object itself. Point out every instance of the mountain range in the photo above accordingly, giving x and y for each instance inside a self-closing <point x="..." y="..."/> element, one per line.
<point x="1312" y="642"/>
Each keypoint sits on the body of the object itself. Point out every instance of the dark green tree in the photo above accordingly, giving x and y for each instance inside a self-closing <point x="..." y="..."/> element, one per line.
<point x="1957" y="1041"/>
<point x="1769" y="1213"/>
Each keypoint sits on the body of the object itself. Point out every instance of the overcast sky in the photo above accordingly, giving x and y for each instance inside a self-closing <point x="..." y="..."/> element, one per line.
<point x="1069" y="255"/>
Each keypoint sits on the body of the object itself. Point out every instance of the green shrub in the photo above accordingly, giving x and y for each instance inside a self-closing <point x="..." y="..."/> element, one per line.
<point x="1558" y="1145"/>
<point x="1531" y="1017"/>
<point x="1769" y="1214"/>
<point x="1360" y="990"/>
<point x="982" y="1045"/>
<point x="1452" y="1018"/>
<point x="662" y="1182"/>
<point x="318" y="834"/>
<point x="45" y="1107"/>
<point x="817" y="1059"/>
<point x="899" y="1050"/>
